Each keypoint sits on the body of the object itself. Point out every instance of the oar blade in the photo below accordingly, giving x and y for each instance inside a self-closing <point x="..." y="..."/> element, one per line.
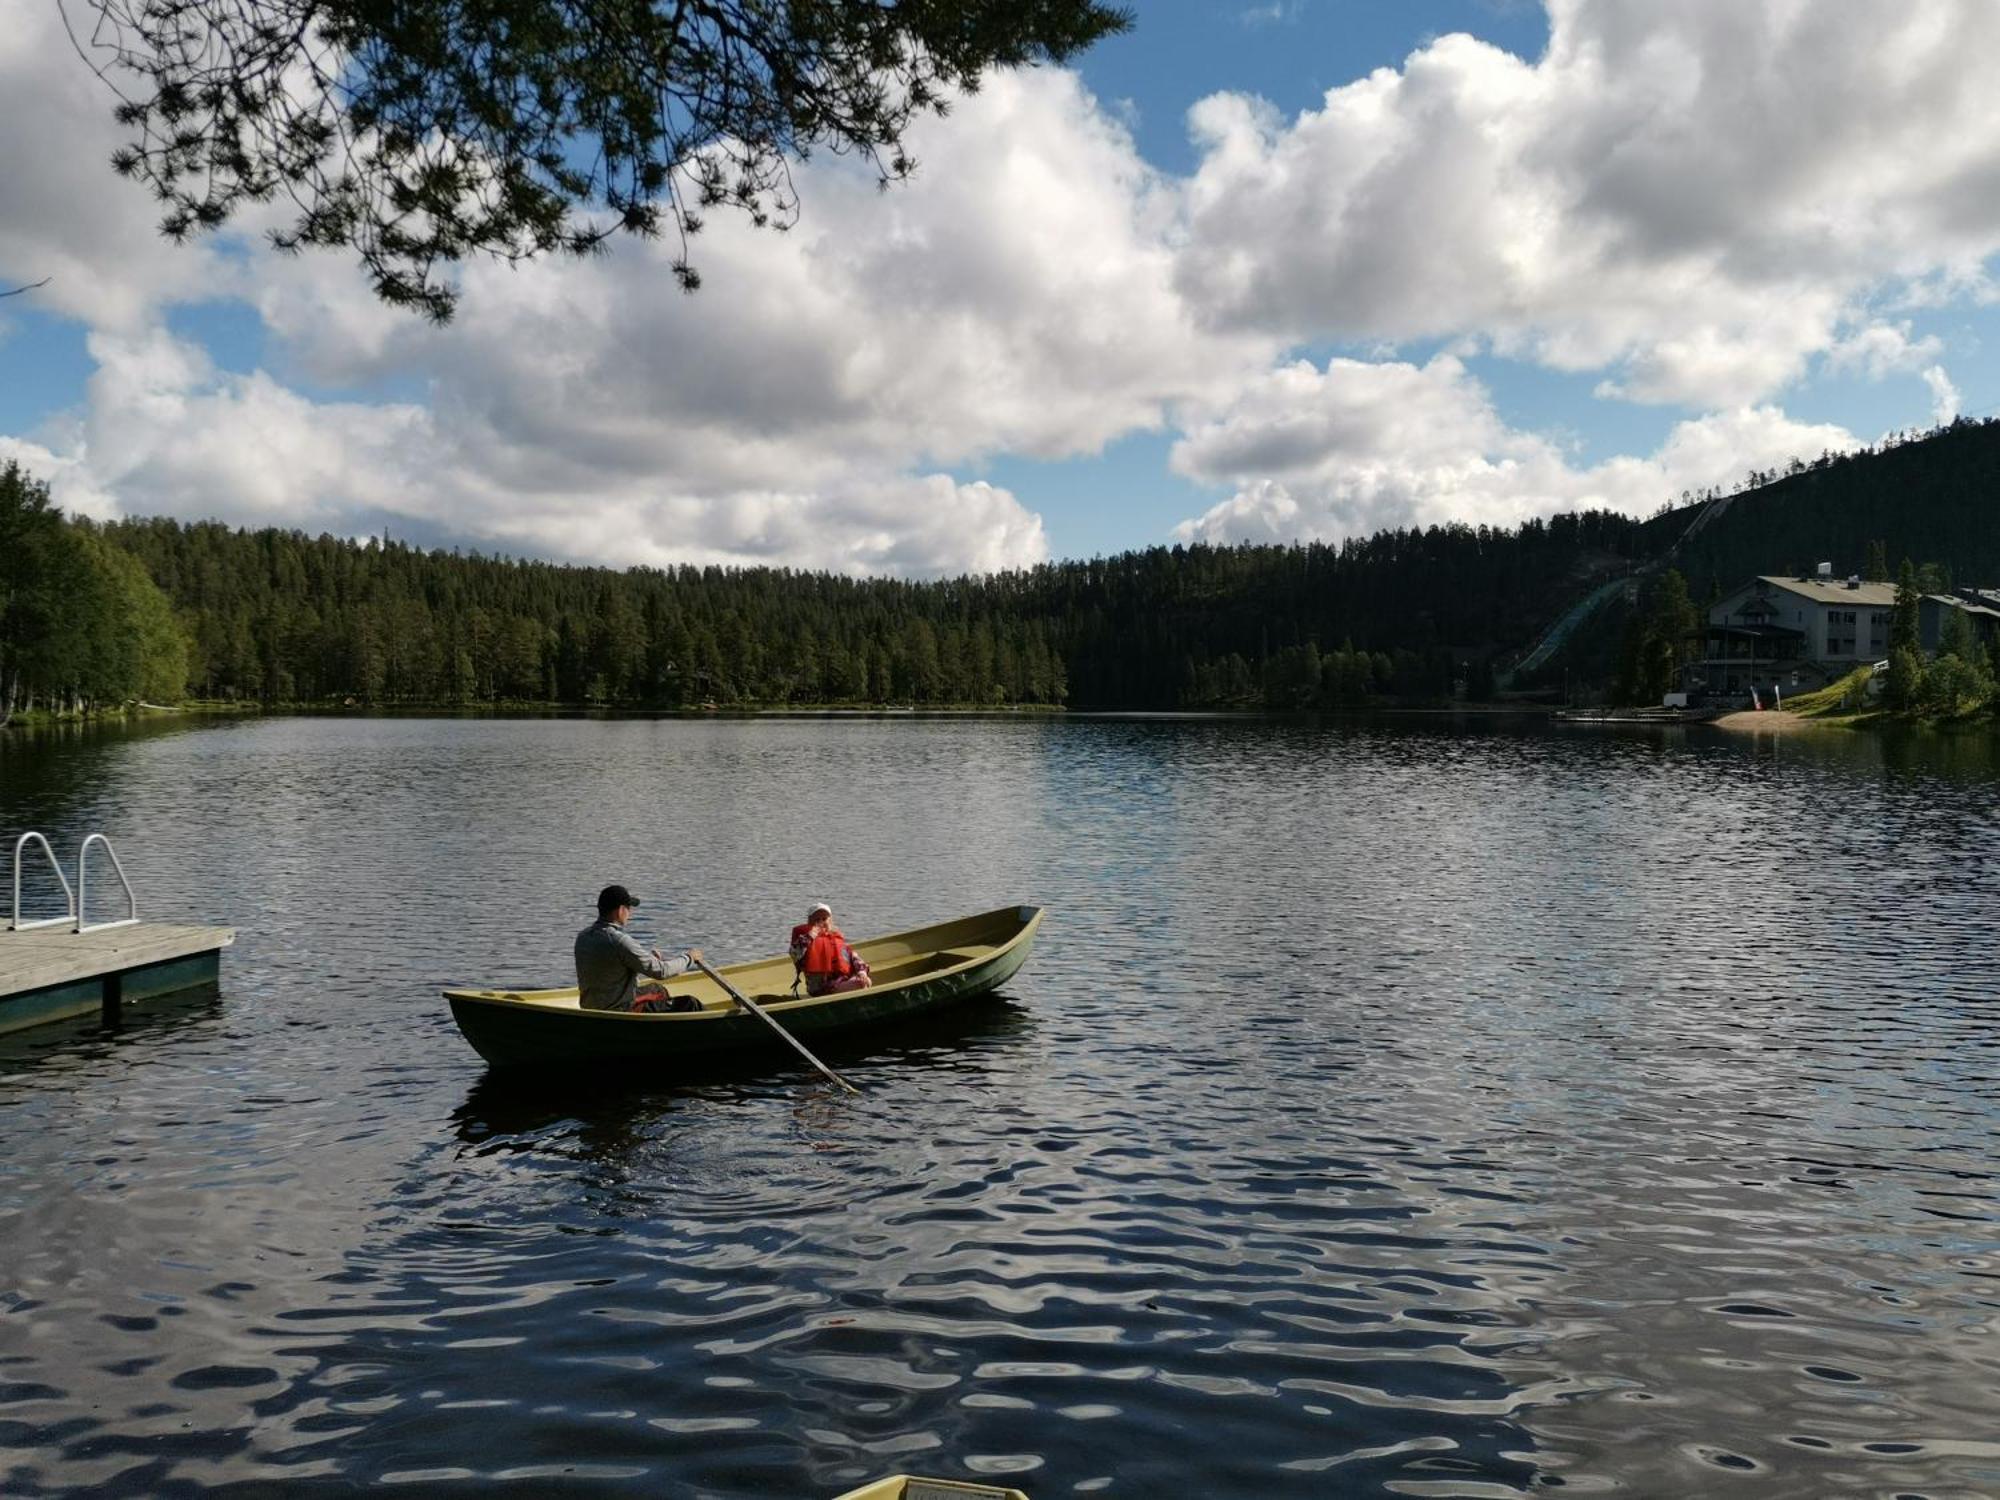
<point x="771" y="1021"/>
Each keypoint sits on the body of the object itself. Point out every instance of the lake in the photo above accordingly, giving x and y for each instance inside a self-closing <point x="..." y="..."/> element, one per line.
<point x="1418" y="1108"/>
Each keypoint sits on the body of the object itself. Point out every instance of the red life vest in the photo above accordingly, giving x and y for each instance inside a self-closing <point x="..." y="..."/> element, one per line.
<point x="826" y="954"/>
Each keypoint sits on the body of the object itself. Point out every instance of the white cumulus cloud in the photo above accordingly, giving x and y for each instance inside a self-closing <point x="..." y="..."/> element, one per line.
<point x="1698" y="203"/>
<point x="165" y="432"/>
<point x="1320" y="454"/>
<point x="1880" y="349"/>
<point x="1694" y="198"/>
<point x="64" y="216"/>
<point x="1016" y="298"/>
<point x="1944" y="395"/>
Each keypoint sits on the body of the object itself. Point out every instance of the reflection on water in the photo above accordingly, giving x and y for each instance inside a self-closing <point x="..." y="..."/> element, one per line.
<point x="1447" y="1110"/>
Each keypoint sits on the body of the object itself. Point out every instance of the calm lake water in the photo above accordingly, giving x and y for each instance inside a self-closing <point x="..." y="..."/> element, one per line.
<point x="1415" y="1109"/>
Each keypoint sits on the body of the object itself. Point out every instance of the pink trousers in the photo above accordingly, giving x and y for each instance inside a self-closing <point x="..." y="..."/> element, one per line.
<point x="859" y="980"/>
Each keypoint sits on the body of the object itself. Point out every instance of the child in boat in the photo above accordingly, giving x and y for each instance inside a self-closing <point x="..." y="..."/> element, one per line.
<point x="820" y="953"/>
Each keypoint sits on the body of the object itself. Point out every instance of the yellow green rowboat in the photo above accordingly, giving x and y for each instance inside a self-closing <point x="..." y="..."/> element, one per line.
<point x="909" y="1487"/>
<point x="917" y="973"/>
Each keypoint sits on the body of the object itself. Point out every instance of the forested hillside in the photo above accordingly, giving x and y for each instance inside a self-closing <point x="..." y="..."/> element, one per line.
<point x="1415" y="615"/>
<point x="1934" y="498"/>
<point x="284" y="617"/>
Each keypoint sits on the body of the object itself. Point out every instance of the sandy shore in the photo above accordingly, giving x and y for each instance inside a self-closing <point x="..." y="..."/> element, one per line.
<point x="1769" y="720"/>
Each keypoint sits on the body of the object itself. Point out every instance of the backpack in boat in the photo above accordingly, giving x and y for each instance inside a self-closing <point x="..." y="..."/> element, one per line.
<point x="675" y="1004"/>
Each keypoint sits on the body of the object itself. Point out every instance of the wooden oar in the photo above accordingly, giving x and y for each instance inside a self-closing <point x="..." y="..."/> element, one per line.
<point x="771" y="1021"/>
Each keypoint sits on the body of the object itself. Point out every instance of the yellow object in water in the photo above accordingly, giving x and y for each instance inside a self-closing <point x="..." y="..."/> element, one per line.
<point x="909" y="1487"/>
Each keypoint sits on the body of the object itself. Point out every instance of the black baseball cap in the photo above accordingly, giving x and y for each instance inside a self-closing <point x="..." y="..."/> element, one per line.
<point x="615" y="896"/>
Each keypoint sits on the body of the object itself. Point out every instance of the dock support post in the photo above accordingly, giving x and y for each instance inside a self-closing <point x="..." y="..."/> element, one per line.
<point x="114" y="999"/>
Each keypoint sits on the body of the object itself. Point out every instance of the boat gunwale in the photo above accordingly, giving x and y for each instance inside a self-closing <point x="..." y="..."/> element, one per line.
<point x="518" y="1000"/>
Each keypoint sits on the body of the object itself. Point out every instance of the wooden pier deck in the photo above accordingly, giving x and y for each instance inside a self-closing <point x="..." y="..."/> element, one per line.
<point x="51" y="973"/>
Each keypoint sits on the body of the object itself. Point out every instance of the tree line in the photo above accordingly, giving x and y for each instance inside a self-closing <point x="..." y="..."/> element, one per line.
<point x="280" y="617"/>
<point x="157" y="608"/>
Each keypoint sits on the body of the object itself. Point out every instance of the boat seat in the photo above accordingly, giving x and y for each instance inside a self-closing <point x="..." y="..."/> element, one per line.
<point x="923" y="963"/>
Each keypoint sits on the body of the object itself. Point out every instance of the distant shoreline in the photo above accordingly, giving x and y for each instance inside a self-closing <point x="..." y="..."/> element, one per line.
<point x="196" y="708"/>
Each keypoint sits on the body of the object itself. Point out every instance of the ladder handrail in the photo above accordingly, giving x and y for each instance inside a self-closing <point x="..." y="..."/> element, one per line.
<point x="131" y="901"/>
<point x="15" y="924"/>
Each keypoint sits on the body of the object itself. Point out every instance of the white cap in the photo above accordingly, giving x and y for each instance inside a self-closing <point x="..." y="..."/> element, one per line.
<point x="819" y="906"/>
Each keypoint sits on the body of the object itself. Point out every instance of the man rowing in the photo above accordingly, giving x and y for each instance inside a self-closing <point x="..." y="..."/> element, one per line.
<point x="610" y="961"/>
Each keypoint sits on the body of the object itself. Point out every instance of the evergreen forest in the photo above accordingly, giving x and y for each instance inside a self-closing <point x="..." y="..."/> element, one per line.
<point x="157" y="610"/>
<point x="81" y="621"/>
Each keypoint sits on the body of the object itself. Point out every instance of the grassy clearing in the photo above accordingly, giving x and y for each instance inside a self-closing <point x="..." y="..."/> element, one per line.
<point x="1845" y="697"/>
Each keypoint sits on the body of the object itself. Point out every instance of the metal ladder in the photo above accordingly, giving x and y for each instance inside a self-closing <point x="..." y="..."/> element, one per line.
<point x="73" y="918"/>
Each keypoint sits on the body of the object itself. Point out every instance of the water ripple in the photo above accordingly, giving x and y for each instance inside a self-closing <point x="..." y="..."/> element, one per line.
<point x="1420" y="1111"/>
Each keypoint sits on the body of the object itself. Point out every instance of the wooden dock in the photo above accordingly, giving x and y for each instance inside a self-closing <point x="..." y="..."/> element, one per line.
<point x="52" y="973"/>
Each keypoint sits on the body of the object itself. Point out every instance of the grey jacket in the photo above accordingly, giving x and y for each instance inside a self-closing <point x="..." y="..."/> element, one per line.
<point x="609" y="962"/>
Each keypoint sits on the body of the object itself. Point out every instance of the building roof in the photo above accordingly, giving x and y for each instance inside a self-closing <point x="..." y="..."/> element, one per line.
<point x="1834" y="591"/>
<point x="1954" y="602"/>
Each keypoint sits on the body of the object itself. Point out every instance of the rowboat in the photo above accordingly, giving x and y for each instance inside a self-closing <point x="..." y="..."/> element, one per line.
<point x="909" y="1487"/>
<point x="917" y="973"/>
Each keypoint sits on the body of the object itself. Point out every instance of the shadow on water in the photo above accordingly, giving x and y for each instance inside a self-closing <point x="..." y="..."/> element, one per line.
<point x="52" y="773"/>
<point x="1955" y="755"/>
<point x="88" y="1042"/>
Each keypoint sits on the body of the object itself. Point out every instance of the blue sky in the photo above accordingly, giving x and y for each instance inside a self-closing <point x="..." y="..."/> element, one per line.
<point x="1258" y="270"/>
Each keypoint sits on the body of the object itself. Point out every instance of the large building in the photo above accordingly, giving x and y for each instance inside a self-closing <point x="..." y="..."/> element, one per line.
<point x="1793" y="633"/>
<point x="1980" y="606"/>
<point x="1797" y="634"/>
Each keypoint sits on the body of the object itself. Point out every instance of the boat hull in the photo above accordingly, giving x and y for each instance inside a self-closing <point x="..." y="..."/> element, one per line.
<point x="919" y="974"/>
